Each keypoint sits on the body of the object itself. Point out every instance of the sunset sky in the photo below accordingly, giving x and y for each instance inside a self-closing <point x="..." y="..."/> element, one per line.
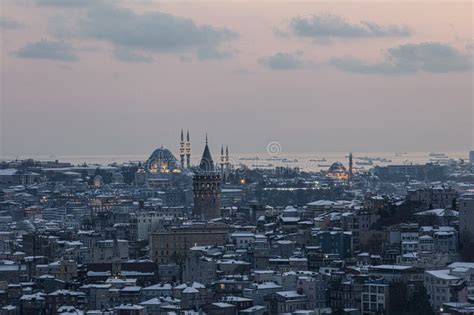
<point x="123" y="77"/>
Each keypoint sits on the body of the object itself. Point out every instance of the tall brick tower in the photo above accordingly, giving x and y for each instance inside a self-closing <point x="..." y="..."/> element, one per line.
<point x="207" y="188"/>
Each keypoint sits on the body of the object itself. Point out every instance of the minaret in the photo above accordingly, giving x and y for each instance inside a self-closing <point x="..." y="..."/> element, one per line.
<point x="227" y="161"/>
<point x="206" y="188"/>
<point x="182" y="149"/>
<point x="188" y="151"/>
<point x="116" y="261"/>
<point x="350" y="166"/>
<point x="222" y="160"/>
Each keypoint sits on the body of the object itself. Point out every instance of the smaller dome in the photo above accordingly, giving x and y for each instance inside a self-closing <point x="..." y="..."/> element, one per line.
<point x="337" y="167"/>
<point x="162" y="161"/>
<point x="117" y="178"/>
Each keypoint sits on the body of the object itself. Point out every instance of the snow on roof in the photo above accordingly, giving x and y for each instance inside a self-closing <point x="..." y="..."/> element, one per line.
<point x="98" y="273"/>
<point x="253" y="309"/>
<point x="412" y="255"/>
<point x="153" y="301"/>
<point x="461" y="265"/>
<point x="236" y="299"/>
<point x="8" y="172"/>
<point x="426" y="237"/>
<point x="159" y="286"/>
<point x="267" y="285"/>
<point x="36" y="296"/>
<point x="391" y="267"/>
<point x="131" y="288"/>
<point x="439" y="213"/>
<point x="129" y="307"/>
<point x="242" y="234"/>
<point x="289" y="294"/>
<point x="190" y="290"/>
<point x="232" y="262"/>
<point x="322" y="203"/>
<point x="67" y="292"/>
<point x="442" y="274"/>
<point x="223" y="305"/>
<point x="290" y="219"/>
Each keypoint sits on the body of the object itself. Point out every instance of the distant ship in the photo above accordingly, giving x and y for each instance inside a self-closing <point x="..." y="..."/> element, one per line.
<point x="438" y="155"/>
<point x="318" y="160"/>
<point x="262" y="165"/>
<point x="368" y="163"/>
<point x="249" y="158"/>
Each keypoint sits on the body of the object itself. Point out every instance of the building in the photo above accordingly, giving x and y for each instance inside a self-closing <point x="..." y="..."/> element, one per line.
<point x="466" y="218"/>
<point x="130" y="309"/>
<point x="285" y="302"/>
<point x="466" y="270"/>
<point x="444" y="286"/>
<point x="199" y="267"/>
<point x="375" y="297"/>
<point x="54" y="214"/>
<point x="359" y="223"/>
<point x="108" y="251"/>
<point x="400" y="273"/>
<point x="64" y="270"/>
<point x="434" y="197"/>
<point x="429" y="171"/>
<point x="206" y="188"/>
<point x="314" y="287"/>
<point x="338" y="171"/>
<point x="335" y="243"/>
<point x="11" y="176"/>
<point x="149" y="221"/>
<point x="172" y="245"/>
<point x="162" y="160"/>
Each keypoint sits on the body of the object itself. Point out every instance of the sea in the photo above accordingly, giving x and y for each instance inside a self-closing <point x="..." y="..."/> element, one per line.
<point x="269" y="160"/>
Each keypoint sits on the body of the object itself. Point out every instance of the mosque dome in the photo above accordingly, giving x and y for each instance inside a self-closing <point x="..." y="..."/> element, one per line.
<point x="117" y="178"/>
<point x="162" y="161"/>
<point x="338" y="171"/>
<point x="98" y="181"/>
<point x="337" y="167"/>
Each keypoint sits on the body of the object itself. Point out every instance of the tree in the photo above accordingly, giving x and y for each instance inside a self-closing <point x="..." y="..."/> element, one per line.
<point x="403" y="304"/>
<point x="453" y="204"/>
<point x="419" y="303"/>
<point x="398" y="298"/>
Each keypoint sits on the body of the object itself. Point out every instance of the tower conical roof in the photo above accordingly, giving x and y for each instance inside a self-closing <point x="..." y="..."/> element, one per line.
<point x="207" y="164"/>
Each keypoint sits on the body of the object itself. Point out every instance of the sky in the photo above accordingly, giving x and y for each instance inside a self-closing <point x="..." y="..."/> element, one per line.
<point x="92" y="77"/>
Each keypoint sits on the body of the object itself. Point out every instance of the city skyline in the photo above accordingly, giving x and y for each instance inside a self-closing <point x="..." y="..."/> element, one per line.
<point x="236" y="157"/>
<point x="316" y="77"/>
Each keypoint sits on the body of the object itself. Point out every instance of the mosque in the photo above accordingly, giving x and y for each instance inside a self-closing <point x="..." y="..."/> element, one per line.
<point x="338" y="171"/>
<point x="206" y="177"/>
<point x="162" y="160"/>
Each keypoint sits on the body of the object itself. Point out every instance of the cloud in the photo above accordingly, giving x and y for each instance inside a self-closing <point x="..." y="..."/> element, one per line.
<point x="207" y="53"/>
<point x="284" y="61"/>
<point x="332" y="26"/>
<point x="131" y="56"/>
<point x="152" y="32"/>
<point x="47" y="49"/>
<point x="410" y="58"/>
<point x="64" y="3"/>
<point x="9" y="24"/>
<point x="243" y="71"/>
<point x="354" y="65"/>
